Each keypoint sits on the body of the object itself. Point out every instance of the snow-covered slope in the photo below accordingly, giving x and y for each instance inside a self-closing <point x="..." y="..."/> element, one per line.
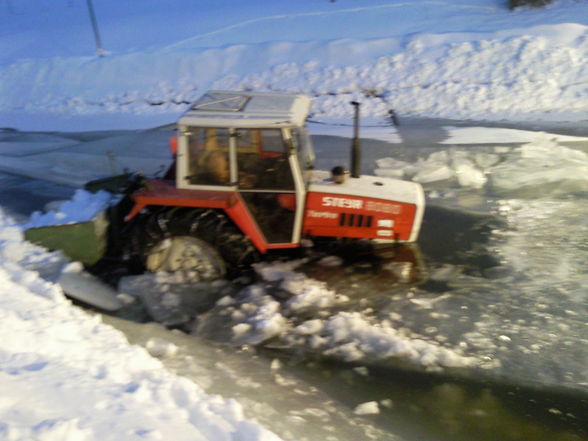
<point x="64" y="375"/>
<point x="461" y="60"/>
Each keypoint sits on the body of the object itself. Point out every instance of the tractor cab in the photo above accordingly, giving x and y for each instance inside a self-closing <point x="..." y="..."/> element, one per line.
<point x="254" y="144"/>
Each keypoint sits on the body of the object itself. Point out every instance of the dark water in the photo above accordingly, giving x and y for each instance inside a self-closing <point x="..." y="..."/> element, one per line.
<point x="20" y="196"/>
<point x="424" y="406"/>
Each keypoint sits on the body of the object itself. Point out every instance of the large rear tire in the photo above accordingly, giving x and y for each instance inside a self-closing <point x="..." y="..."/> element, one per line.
<point x="187" y="254"/>
<point x="186" y="239"/>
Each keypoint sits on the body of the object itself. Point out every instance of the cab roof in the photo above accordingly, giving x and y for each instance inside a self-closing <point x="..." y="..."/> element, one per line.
<point x="240" y="109"/>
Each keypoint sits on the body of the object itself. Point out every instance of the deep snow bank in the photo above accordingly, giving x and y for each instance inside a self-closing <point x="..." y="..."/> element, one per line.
<point x="64" y="375"/>
<point x="455" y="61"/>
<point x="493" y="76"/>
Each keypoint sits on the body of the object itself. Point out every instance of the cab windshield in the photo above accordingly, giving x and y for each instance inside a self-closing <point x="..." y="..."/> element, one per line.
<point x="262" y="158"/>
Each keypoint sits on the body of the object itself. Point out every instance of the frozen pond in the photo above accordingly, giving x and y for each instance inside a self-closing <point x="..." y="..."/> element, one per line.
<point x="493" y="333"/>
<point x="505" y="243"/>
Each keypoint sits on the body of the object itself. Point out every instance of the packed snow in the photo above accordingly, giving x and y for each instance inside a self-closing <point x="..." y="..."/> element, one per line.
<point x="66" y="375"/>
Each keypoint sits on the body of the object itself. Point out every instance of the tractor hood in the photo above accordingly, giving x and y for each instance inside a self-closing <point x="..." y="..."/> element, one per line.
<point x="369" y="187"/>
<point x="393" y="207"/>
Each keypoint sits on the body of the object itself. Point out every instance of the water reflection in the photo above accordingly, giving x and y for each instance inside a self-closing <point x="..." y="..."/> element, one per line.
<point x="419" y="407"/>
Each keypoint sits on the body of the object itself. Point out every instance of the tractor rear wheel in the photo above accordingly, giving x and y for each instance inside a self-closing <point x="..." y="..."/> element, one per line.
<point x="187" y="254"/>
<point x="203" y="241"/>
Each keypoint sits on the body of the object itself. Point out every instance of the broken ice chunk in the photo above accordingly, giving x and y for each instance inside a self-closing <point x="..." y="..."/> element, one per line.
<point x="369" y="408"/>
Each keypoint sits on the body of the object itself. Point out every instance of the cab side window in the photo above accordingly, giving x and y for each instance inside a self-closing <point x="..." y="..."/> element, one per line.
<point x="262" y="160"/>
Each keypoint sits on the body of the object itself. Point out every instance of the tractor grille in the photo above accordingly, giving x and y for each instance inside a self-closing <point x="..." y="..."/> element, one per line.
<point x="355" y="220"/>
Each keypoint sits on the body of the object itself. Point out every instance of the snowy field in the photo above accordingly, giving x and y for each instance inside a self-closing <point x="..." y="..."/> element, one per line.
<point x="506" y="301"/>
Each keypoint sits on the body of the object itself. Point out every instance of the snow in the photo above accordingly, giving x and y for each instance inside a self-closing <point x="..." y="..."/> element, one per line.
<point x="309" y="320"/>
<point x="83" y="207"/>
<point x="65" y="375"/>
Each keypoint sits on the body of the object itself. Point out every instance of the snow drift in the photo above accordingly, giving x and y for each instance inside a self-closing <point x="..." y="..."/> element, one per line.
<point x="65" y="375"/>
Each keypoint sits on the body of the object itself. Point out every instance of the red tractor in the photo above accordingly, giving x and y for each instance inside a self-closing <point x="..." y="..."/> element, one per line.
<point x="243" y="183"/>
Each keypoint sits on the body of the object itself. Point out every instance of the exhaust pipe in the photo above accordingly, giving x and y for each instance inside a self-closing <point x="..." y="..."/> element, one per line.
<point x="355" y="144"/>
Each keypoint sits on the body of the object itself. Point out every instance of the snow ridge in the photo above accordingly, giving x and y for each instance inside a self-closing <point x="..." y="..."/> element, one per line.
<point x="458" y="76"/>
